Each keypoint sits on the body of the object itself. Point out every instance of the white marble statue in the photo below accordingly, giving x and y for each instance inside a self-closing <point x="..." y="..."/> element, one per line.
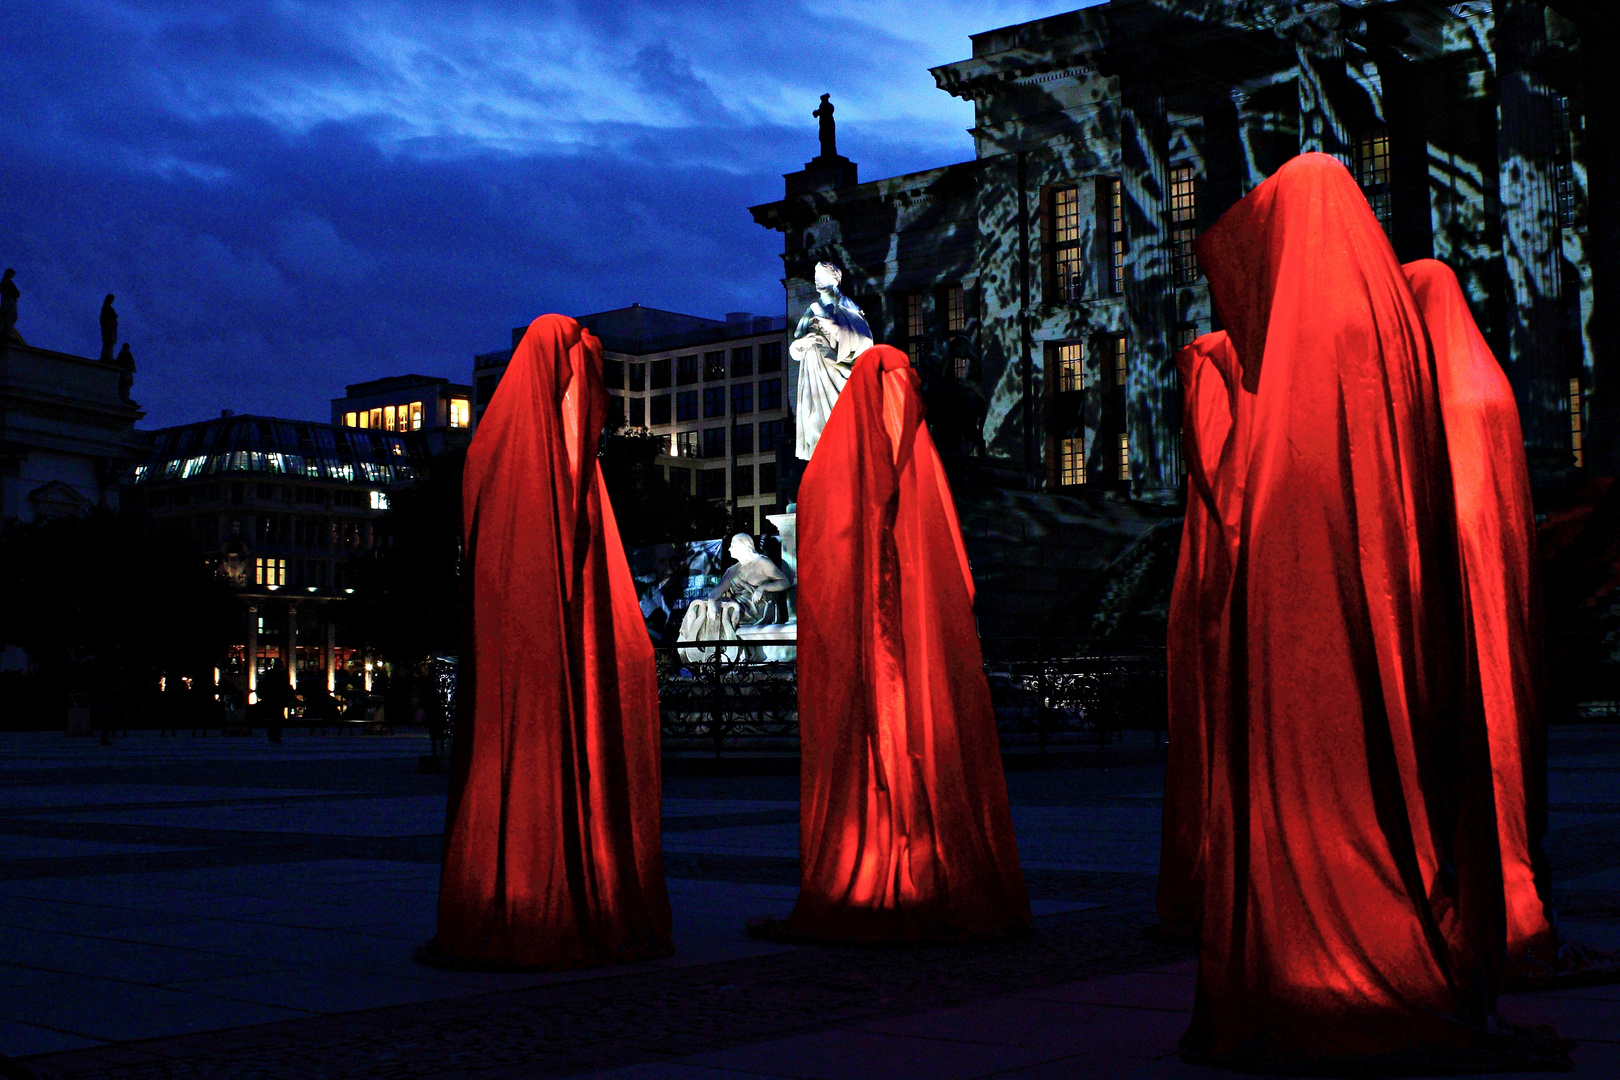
<point x="755" y="583"/>
<point x="830" y="335"/>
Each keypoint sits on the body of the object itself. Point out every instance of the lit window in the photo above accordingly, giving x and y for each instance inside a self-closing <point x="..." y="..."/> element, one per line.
<point x="1071" y="367"/>
<point x="376" y="418"/>
<point x="1063" y="233"/>
<point x="687" y="444"/>
<point x="1116" y="236"/>
<point x="460" y="413"/>
<point x="1124" y="457"/>
<point x="714" y="366"/>
<point x="271" y="573"/>
<point x="379" y="500"/>
<point x="1071" y="462"/>
<point x="1183" y="219"/>
<point x="955" y="309"/>
<point x="1373" y="173"/>
<point x="388" y="418"/>
<point x="349" y="420"/>
<point x="1575" y="421"/>
<point x="365" y="420"/>
<point x="416" y="416"/>
<point x="1122" y="368"/>
<point x="914" y="316"/>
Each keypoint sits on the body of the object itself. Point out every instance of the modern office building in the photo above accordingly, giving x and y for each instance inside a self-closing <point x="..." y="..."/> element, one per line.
<point x="438" y="410"/>
<point x="715" y="390"/>
<point x="281" y="506"/>
<point x="1044" y="286"/>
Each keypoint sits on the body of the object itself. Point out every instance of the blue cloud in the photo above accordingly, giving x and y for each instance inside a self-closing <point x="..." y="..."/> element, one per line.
<point x="290" y="198"/>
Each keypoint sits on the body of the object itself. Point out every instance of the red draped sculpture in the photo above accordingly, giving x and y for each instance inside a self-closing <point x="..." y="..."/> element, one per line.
<point x="1330" y="814"/>
<point x="905" y="832"/>
<point x="552" y="853"/>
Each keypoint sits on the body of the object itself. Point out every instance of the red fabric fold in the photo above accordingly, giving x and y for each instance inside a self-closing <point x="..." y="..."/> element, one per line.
<point x="1349" y="882"/>
<point x="552" y="851"/>
<point x="905" y="831"/>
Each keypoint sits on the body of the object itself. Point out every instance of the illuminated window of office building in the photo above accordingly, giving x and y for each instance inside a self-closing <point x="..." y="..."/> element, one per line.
<point x="914" y="316"/>
<point x="688" y="444"/>
<point x="714" y="366"/>
<point x="1071" y="461"/>
<point x="350" y="420"/>
<point x="1124" y="457"/>
<point x="270" y="572"/>
<point x="1183" y="221"/>
<point x="388" y="418"/>
<point x="1373" y="173"/>
<point x="416" y="416"/>
<point x="1575" y="422"/>
<point x="365" y="420"/>
<point x="1122" y="367"/>
<point x="460" y="413"/>
<point x="376" y="418"/>
<point x="1071" y="367"/>
<point x="1116" y="238"/>
<point x="1063" y="236"/>
<point x="955" y="309"/>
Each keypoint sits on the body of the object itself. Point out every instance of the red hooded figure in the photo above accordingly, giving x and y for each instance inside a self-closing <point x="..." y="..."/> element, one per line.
<point x="905" y="832"/>
<point x="1350" y="911"/>
<point x="552" y="855"/>
<point x="1496" y="541"/>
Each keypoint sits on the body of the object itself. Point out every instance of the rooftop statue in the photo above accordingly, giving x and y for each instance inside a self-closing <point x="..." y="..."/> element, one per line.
<point x="829" y="134"/>
<point x="109" y="328"/>
<point x="8" y="306"/>
<point x="830" y="335"/>
<point x="126" y="373"/>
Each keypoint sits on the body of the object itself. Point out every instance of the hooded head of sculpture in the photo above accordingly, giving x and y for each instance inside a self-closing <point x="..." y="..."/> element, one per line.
<point x="742" y="548"/>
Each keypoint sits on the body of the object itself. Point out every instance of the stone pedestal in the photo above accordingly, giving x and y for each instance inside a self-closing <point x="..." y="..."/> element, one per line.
<point x="787" y="527"/>
<point x="760" y="638"/>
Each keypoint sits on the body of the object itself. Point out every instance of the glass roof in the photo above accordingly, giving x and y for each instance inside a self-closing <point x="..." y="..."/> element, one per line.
<point x="295" y="449"/>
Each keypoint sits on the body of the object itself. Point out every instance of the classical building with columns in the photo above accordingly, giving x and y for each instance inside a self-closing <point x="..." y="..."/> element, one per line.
<point x="281" y="505"/>
<point x="1044" y="286"/>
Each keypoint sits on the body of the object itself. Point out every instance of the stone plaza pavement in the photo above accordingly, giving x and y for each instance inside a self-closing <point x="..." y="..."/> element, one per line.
<point x="222" y="908"/>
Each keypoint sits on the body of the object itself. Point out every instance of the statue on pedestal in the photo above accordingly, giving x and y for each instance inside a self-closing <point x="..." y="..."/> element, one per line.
<point x="126" y="371"/>
<point x="8" y="306"/>
<point x="829" y="134"/>
<point x="830" y="335"/>
<point x="109" y="329"/>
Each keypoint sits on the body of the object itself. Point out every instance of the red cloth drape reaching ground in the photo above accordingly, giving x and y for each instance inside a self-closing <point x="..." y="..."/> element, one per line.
<point x="1351" y="883"/>
<point x="905" y="832"/>
<point x="552" y="853"/>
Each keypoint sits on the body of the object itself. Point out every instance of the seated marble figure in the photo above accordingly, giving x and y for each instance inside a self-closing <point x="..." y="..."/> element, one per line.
<point x="755" y="583"/>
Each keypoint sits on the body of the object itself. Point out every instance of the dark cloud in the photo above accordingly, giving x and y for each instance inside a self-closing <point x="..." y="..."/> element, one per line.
<point x="288" y="199"/>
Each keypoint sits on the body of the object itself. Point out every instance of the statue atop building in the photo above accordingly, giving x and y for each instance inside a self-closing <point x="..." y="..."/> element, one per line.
<point x="8" y="307"/>
<point x="830" y="335"/>
<point x="109" y="329"/>
<point x="126" y="371"/>
<point x="829" y="135"/>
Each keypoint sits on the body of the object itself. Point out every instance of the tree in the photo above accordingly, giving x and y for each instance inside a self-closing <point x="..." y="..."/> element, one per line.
<point x="650" y="509"/>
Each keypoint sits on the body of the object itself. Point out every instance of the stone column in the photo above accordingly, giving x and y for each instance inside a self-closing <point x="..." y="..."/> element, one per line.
<point x="1150" y="387"/>
<point x="1319" y="55"/>
<point x="1532" y="246"/>
<point x="252" y="654"/>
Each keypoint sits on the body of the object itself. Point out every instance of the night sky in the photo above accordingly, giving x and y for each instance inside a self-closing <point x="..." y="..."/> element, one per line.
<point x="288" y="197"/>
